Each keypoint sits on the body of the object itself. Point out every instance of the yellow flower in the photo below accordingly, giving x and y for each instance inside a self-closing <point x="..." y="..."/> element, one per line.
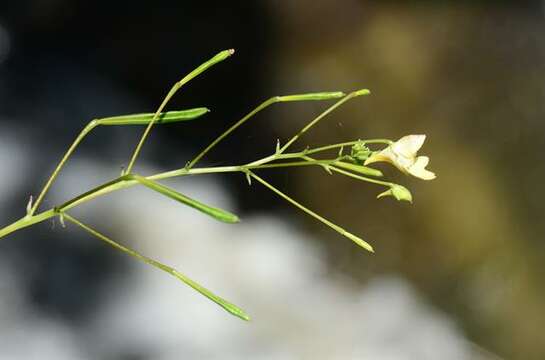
<point x="402" y="154"/>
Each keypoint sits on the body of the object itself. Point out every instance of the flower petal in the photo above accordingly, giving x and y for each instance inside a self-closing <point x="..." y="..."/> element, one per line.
<point x="409" y="145"/>
<point x="422" y="161"/>
<point x="418" y="169"/>
<point x="385" y="155"/>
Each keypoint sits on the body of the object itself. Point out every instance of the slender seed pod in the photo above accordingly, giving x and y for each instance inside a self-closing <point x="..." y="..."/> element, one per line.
<point x="312" y="96"/>
<point x="146" y="118"/>
<point x="358" y="168"/>
<point x="217" y="213"/>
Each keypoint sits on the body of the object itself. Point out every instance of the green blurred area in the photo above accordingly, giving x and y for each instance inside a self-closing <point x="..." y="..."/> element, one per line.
<point x="472" y="77"/>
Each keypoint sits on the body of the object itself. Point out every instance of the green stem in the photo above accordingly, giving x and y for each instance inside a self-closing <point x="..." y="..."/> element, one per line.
<point x="274" y="157"/>
<point x="69" y="152"/>
<point x="123" y="182"/>
<point x="27" y="221"/>
<point x="348" y="143"/>
<point x="322" y="115"/>
<point x="262" y="106"/>
<point x="276" y="99"/>
<point x="231" y="308"/>
<point x="359" y="177"/>
<point x="335" y="227"/>
<point x="349" y="174"/>
<point x="167" y="98"/>
<point x="105" y="188"/>
<point x="135" y="119"/>
<point x="219" y="57"/>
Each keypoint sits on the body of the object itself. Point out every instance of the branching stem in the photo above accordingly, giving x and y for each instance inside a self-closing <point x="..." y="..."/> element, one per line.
<point x="279" y="159"/>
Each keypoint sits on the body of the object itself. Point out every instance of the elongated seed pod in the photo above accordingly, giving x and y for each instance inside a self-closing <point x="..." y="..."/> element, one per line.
<point x="312" y="96"/>
<point x="217" y="213"/>
<point x="358" y="168"/>
<point x="145" y="118"/>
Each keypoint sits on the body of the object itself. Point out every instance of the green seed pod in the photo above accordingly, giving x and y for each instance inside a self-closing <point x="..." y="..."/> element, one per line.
<point x="219" y="214"/>
<point x="312" y="96"/>
<point x="364" y="244"/>
<point x="145" y="118"/>
<point x="358" y="168"/>
<point x="362" y="92"/>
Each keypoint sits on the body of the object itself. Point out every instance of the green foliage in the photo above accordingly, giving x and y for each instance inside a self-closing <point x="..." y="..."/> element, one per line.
<point x="350" y="165"/>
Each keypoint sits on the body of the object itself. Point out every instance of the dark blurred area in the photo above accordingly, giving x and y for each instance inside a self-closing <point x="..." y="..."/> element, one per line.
<point x="68" y="62"/>
<point x="469" y="74"/>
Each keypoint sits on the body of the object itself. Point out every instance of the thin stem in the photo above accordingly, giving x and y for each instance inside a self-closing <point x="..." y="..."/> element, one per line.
<point x="276" y="99"/>
<point x="135" y="119"/>
<point x="359" y="177"/>
<point x="27" y="221"/>
<point x="105" y="188"/>
<point x="260" y="107"/>
<point x="123" y="182"/>
<point x="265" y="160"/>
<point x="321" y="116"/>
<point x="53" y="176"/>
<point x="233" y="309"/>
<point x="349" y="174"/>
<point x="219" y="57"/>
<point x="348" y="143"/>
<point x="234" y="168"/>
<point x="335" y="227"/>
<point x="275" y="157"/>
<point x="291" y="164"/>
<point x="167" y="98"/>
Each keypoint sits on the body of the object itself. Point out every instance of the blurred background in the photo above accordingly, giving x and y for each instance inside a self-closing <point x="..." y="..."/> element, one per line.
<point x="456" y="275"/>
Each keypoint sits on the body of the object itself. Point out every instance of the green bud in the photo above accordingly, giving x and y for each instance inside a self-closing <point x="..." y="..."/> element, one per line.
<point x="360" y="152"/>
<point x="401" y="193"/>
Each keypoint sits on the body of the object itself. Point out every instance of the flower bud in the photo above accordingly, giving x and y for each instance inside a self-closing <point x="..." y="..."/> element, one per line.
<point x="401" y="193"/>
<point x="359" y="152"/>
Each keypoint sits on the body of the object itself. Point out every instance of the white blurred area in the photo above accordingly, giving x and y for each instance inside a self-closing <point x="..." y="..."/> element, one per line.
<point x="264" y="264"/>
